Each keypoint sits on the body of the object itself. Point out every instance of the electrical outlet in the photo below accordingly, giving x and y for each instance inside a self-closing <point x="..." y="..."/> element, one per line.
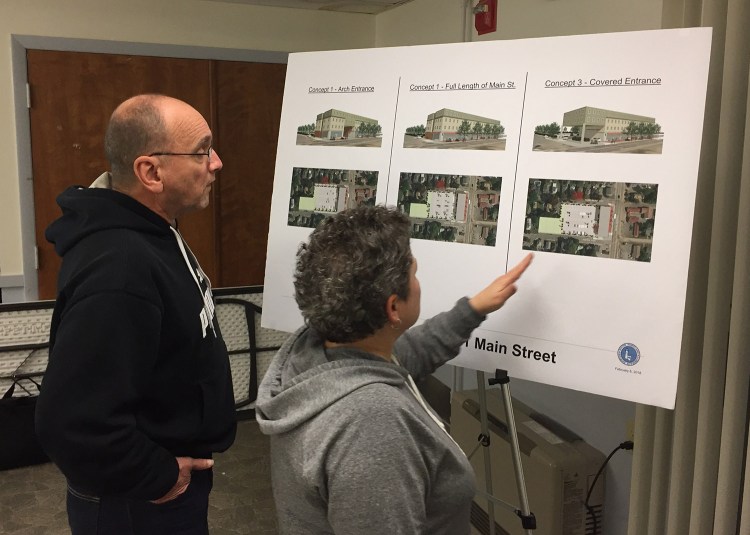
<point x="630" y="430"/>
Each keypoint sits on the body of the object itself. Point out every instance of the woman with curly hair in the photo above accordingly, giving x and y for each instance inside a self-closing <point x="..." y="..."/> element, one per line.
<point x="355" y="449"/>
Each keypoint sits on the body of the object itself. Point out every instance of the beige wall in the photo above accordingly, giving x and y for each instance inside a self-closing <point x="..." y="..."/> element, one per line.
<point x="542" y="18"/>
<point x="421" y="22"/>
<point x="195" y="23"/>
<point x="443" y="21"/>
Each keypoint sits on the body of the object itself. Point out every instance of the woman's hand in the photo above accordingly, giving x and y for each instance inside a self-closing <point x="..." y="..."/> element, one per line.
<point x="499" y="291"/>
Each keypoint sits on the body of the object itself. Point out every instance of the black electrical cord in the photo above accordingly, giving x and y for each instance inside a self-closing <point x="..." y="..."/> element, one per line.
<point x="627" y="445"/>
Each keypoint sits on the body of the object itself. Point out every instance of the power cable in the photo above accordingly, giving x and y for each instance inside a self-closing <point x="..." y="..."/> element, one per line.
<point x="627" y="445"/>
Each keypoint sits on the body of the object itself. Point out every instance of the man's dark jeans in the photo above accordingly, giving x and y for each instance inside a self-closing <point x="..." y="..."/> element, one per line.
<point x="185" y="515"/>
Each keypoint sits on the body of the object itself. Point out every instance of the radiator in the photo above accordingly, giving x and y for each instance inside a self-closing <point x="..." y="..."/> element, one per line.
<point x="558" y="466"/>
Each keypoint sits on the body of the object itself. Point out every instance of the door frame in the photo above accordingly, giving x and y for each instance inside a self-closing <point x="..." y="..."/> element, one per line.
<point x="29" y="291"/>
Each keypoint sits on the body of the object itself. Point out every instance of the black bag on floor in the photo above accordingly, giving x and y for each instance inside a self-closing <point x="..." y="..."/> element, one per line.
<point x="18" y="443"/>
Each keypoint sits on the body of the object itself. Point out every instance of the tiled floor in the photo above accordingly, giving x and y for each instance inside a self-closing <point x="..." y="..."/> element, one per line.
<point x="32" y="499"/>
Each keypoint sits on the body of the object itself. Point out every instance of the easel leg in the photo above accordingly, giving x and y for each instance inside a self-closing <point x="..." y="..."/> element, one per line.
<point x="484" y="429"/>
<point x="528" y="521"/>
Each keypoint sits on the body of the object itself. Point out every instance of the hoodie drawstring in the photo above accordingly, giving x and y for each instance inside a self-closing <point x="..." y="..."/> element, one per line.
<point x="208" y="307"/>
<point x="415" y="392"/>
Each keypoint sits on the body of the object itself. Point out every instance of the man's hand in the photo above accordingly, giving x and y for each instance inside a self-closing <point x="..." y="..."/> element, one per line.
<point x="186" y="466"/>
<point x="499" y="291"/>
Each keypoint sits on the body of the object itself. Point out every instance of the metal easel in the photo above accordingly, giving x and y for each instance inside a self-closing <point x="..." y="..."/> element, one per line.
<point x="528" y="520"/>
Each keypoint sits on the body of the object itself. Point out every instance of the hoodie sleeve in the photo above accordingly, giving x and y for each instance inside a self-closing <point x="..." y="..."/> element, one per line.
<point x="424" y="348"/>
<point x="86" y="413"/>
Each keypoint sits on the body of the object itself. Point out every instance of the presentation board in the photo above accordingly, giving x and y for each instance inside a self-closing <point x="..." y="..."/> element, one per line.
<point x="583" y="149"/>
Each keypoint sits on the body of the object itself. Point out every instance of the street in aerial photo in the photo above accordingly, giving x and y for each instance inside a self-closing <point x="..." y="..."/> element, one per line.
<point x="336" y="128"/>
<point x="600" y="219"/>
<point x="451" y="208"/>
<point x="590" y="129"/>
<point x="317" y="193"/>
<point x="451" y="129"/>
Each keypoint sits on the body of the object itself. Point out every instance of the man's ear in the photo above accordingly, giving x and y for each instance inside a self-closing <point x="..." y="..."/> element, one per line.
<point x="391" y="310"/>
<point x="147" y="172"/>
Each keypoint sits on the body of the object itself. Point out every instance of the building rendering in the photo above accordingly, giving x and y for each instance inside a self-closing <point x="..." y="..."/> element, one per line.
<point x="337" y="124"/>
<point x="600" y="123"/>
<point x="444" y="124"/>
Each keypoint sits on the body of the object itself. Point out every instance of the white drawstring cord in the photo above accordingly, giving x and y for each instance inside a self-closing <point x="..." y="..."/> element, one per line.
<point x="206" y="305"/>
<point x="415" y="392"/>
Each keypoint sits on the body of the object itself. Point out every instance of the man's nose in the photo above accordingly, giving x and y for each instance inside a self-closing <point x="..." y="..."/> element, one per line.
<point x="215" y="164"/>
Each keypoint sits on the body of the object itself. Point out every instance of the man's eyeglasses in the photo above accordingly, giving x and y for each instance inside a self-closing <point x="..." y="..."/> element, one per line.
<point x="208" y="153"/>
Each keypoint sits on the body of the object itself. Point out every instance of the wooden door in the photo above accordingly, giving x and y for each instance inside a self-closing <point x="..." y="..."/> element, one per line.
<point x="72" y="96"/>
<point x="248" y="104"/>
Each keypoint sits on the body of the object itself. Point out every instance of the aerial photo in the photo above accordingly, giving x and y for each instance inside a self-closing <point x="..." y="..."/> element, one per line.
<point x="451" y="208"/>
<point x="318" y="193"/>
<point x="601" y="219"/>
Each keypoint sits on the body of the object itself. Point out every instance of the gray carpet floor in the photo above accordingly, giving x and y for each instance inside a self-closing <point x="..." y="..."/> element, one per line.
<point x="32" y="499"/>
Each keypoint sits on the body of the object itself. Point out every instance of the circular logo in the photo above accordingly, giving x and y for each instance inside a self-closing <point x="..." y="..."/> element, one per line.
<point x="628" y="354"/>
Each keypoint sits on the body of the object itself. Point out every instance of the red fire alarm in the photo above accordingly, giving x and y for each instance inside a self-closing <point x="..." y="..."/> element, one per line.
<point x="485" y="16"/>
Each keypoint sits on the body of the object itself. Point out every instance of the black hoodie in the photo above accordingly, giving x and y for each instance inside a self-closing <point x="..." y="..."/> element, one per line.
<point x="138" y="372"/>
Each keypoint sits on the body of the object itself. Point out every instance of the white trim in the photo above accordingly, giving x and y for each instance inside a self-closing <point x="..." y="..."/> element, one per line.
<point x="41" y="42"/>
<point x="11" y="281"/>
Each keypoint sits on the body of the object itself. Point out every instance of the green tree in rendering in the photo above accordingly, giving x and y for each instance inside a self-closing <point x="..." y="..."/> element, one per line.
<point x="551" y="129"/>
<point x="651" y="129"/>
<point x="448" y="234"/>
<point x="477" y="130"/>
<point x="649" y="194"/>
<point x="306" y="129"/>
<point x="464" y="129"/>
<point x="416" y="130"/>
<point x="491" y="237"/>
<point x="494" y="212"/>
<point x="432" y="230"/>
<point x="630" y="130"/>
<point x="570" y="245"/>
<point x="368" y="129"/>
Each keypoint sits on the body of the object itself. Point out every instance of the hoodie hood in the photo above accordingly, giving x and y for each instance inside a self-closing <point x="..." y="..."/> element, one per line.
<point x="89" y="210"/>
<point x="305" y="379"/>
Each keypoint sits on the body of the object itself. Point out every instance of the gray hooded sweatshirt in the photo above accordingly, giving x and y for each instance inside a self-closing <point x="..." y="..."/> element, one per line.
<point x="353" y="451"/>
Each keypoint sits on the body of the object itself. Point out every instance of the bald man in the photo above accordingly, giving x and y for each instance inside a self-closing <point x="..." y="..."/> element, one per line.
<point x="138" y="394"/>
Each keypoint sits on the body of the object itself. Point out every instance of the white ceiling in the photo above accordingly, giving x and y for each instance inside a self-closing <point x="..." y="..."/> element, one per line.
<point x="370" y="7"/>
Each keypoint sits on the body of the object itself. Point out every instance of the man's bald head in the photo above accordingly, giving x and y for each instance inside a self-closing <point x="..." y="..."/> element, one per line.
<point x="137" y="127"/>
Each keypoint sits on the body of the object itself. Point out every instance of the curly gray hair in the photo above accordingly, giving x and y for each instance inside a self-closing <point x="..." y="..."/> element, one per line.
<point x="351" y="264"/>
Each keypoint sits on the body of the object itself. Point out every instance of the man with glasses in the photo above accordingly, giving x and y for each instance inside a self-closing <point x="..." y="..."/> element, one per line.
<point x="138" y="394"/>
